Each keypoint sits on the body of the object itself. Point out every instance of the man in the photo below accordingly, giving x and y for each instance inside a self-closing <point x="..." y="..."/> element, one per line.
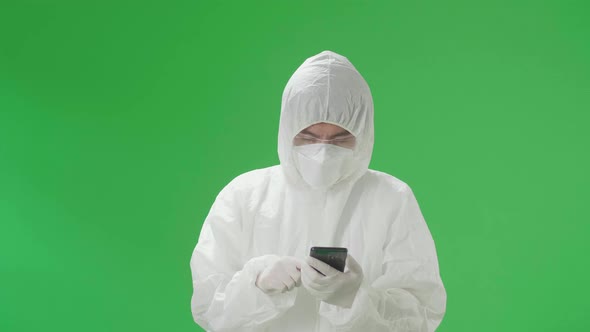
<point x="250" y="268"/>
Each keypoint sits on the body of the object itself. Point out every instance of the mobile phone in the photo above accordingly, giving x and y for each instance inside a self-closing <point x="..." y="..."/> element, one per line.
<point x="333" y="256"/>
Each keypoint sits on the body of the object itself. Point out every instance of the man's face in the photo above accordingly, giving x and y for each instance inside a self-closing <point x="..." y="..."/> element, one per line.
<point x="326" y="133"/>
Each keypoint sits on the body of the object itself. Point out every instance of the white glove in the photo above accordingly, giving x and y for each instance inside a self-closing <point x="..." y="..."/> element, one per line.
<point x="335" y="287"/>
<point x="282" y="275"/>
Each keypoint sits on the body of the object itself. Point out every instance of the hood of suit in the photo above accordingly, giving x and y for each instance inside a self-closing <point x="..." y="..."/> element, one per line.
<point x="327" y="88"/>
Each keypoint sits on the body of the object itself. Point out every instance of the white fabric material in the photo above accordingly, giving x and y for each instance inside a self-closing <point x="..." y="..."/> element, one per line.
<point x="322" y="165"/>
<point x="267" y="214"/>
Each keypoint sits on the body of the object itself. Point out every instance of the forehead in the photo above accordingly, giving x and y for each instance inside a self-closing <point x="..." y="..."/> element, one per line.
<point x="323" y="129"/>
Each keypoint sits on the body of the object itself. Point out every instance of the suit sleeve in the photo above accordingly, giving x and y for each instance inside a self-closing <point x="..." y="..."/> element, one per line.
<point x="409" y="295"/>
<point x="225" y="297"/>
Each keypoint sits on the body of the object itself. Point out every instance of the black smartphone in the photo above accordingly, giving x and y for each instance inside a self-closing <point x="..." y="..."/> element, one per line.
<point x="333" y="256"/>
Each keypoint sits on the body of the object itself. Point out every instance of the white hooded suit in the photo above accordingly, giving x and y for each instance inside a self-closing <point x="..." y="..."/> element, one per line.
<point x="269" y="213"/>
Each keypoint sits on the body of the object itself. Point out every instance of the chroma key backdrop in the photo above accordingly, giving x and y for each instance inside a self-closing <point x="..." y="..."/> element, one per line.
<point x="120" y="122"/>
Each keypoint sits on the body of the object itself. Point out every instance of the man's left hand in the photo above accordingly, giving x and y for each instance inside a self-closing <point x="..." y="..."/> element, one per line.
<point x="334" y="287"/>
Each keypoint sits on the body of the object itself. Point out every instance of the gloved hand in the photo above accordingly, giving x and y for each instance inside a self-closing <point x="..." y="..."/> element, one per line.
<point x="335" y="287"/>
<point x="280" y="276"/>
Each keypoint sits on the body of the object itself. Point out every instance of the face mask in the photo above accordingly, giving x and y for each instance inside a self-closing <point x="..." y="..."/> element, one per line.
<point x="322" y="165"/>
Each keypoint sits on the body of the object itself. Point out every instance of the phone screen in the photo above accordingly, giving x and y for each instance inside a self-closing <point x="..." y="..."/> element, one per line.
<point x="333" y="256"/>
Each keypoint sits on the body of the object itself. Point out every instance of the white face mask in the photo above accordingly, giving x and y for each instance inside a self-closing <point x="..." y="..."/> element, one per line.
<point x="322" y="165"/>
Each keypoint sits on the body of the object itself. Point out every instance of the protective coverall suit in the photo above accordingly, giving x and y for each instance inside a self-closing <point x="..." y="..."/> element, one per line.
<point x="269" y="213"/>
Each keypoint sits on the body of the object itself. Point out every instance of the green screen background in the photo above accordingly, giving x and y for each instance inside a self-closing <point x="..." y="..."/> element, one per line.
<point x="121" y="121"/>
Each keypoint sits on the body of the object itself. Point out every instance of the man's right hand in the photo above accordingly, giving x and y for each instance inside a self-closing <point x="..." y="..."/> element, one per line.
<point x="282" y="275"/>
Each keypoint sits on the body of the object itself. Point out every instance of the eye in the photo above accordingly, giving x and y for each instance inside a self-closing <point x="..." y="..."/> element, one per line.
<point x="303" y="139"/>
